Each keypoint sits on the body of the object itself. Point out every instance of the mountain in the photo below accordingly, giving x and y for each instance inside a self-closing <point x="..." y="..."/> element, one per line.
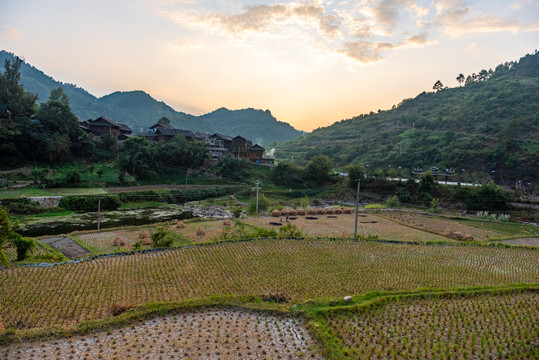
<point x="251" y="124"/>
<point x="490" y="125"/>
<point x="139" y="110"/>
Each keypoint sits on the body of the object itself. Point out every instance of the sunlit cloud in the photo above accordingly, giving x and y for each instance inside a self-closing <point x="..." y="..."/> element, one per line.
<point x="9" y="33"/>
<point x="369" y="52"/>
<point x="455" y="19"/>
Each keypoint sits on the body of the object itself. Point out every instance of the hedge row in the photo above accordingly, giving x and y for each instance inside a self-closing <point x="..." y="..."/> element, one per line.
<point x="90" y="203"/>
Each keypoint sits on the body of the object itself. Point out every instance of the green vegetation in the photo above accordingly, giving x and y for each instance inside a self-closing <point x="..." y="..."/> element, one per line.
<point x="489" y="128"/>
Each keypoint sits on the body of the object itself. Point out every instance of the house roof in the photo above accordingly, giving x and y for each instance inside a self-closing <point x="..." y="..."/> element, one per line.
<point x="161" y="126"/>
<point x="256" y="147"/>
<point x="239" y="138"/>
<point x="221" y="136"/>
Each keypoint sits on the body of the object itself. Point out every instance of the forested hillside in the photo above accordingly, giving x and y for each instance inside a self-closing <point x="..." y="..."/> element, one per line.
<point x="488" y="125"/>
<point x="260" y="126"/>
<point x="140" y="110"/>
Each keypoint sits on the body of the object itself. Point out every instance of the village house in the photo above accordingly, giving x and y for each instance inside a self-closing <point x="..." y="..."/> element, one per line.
<point x="165" y="133"/>
<point x="218" y="145"/>
<point x="103" y="126"/>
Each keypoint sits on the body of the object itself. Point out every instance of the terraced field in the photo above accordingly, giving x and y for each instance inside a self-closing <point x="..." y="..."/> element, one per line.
<point x="486" y="326"/>
<point x="200" y="334"/>
<point x="295" y="270"/>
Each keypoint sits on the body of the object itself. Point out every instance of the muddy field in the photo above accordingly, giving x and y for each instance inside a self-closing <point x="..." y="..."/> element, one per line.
<point x="203" y="334"/>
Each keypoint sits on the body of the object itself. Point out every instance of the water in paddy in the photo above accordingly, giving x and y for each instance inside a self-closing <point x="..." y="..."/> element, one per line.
<point x="40" y="226"/>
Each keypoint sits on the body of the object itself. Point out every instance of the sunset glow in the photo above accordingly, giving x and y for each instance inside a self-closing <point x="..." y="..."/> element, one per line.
<point x="310" y="62"/>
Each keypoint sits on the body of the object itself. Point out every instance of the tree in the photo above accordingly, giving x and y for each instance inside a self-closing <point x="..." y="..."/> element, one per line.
<point x="58" y="94"/>
<point x="164" y="121"/>
<point x="285" y="173"/>
<point x="438" y="85"/>
<point x="318" y="169"/>
<point x="15" y="102"/>
<point x="355" y="172"/>
<point x="138" y="157"/>
<point x="426" y="182"/>
<point x="461" y="79"/>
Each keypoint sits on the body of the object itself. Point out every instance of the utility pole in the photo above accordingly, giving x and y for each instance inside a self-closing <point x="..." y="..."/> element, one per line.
<point x="98" y="214"/>
<point x="187" y="176"/>
<point x="357" y="207"/>
<point x="257" y="183"/>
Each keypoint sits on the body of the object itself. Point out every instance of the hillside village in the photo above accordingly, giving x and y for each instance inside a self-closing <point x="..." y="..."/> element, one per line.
<point x="218" y="145"/>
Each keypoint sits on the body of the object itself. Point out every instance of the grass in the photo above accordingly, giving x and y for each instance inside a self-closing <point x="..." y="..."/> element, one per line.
<point x="508" y="229"/>
<point x="17" y="193"/>
<point x="77" y="191"/>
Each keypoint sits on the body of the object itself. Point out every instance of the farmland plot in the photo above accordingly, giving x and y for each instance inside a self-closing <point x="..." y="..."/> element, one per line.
<point x="202" y="334"/>
<point x="103" y="241"/>
<point x="297" y="269"/>
<point x="487" y="326"/>
<point x="342" y="226"/>
<point x="446" y="227"/>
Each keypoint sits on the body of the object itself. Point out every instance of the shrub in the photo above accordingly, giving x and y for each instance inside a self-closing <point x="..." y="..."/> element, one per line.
<point x="90" y="203"/>
<point x="23" y="245"/>
<point x="393" y="202"/>
<point x="162" y="237"/>
<point x="236" y="212"/>
<point x="263" y="204"/>
<point x="290" y="230"/>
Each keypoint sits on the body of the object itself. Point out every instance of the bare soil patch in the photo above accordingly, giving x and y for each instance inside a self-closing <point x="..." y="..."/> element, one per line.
<point x="66" y="246"/>
<point x="342" y="226"/>
<point x="203" y="334"/>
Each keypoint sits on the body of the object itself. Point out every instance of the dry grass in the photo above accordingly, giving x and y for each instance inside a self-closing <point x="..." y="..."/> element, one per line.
<point x="440" y="225"/>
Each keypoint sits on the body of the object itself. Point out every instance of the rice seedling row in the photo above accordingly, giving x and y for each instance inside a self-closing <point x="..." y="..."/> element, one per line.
<point x="487" y="326"/>
<point x="296" y="270"/>
<point x="206" y="333"/>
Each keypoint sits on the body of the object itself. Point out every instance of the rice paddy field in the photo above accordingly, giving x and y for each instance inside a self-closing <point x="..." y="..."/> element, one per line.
<point x="422" y="294"/>
<point x="200" y="334"/>
<point x="486" y="326"/>
<point x="298" y="270"/>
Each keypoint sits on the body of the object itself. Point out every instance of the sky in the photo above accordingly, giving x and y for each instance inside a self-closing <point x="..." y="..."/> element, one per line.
<point x="310" y="62"/>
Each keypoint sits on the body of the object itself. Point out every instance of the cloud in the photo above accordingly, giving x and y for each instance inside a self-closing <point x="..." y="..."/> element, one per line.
<point x="369" y="52"/>
<point x="455" y="19"/>
<point x="266" y="17"/>
<point x="9" y="32"/>
<point x="344" y="28"/>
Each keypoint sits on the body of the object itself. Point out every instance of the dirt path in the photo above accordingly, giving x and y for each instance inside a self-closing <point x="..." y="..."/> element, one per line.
<point x="66" y="246"/>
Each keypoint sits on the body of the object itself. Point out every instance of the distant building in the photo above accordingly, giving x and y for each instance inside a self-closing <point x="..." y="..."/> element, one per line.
<point x="103" y="126"/>
<point x="165" y="133"/>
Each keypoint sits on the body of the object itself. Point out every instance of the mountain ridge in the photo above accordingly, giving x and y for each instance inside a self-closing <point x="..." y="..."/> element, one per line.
<point x="140" y="110"/>
<point x="488" y="126"/>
